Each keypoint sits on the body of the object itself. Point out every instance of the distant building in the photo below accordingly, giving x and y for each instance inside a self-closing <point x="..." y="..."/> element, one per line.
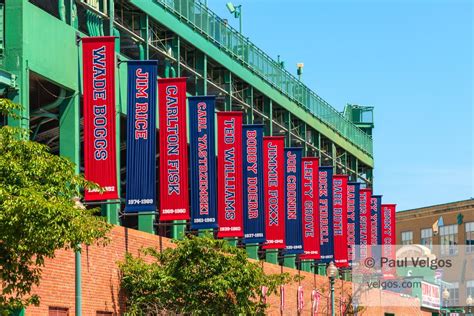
<point x="450" y="226"/>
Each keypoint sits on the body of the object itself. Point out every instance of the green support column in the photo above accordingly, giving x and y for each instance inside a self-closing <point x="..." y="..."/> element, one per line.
<point x="321" y="269"/>
<point x="370" y="177"/>
<point x="303" y="132"/>
<point x="319" y="147"/>
<point x="20" y="312"/>
<point x="333" y="155"/>
<point x="252" y="251"/>
<point x="249" y="100"/>
<point x="271" y="256"/>
<point x="176" y="47"/>
<point x="268" y="110"/>
<point x="231" y="241"/>
<point x="290" y="261"/>
<point x="356" y="168"/>
<point x="307" y="265"/>
<point x="228" y="88"/>
<point x="144" y="33"/>
<point x="201" y="68"/>
<point x="288" y="121"/>
<point x="14" y="60"/>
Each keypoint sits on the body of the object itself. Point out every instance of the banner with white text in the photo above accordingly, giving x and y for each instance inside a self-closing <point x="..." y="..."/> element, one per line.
<point x="100" y="160"/>
<point x="310" y="201"/>
<point x="229" y="174"/>
<point x="254" y="210"/>
<point x="274" y="181"/>
<point x="174" y="190"/>
<point x="141" y="136"/>
<point x="202" y="162"/>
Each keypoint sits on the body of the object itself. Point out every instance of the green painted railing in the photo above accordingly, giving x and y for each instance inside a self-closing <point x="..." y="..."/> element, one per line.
<point x="240" y="48"/>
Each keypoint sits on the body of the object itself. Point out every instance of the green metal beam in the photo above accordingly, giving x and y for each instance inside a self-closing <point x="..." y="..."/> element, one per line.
<point x="228" y="88"/>
<point x="268" y="109"/>
<point x="201" y="68"/>
<point x="171" y="21"/>
<point x="271" y="256"/>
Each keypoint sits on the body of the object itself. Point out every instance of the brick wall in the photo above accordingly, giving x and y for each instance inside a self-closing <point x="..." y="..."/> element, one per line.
<point x="101" y="279"/>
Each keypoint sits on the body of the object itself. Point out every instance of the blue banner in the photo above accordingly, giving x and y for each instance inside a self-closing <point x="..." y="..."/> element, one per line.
<point x="376" y="212"/>
<point x="202" y="144"/>
<point x="141" y="136"/>
<point x="254" y="210"/>
<point x="353" y="219"/>
<point x="325" y="214"/>
<point x="293" y="197"/>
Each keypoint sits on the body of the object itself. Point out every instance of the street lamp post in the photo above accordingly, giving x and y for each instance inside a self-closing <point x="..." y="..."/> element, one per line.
<point x="469" y="302"/>
<point x="445" y="299"/>
<point x="332" y="273"/>
<point x="237" y="12"/>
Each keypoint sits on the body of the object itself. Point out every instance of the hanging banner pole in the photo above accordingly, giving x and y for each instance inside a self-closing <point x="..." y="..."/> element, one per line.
<point x="141" y="137"/>
<point x="100" y="162"/>
<point x="174" y="196"/>
<point x="203" y="162"/>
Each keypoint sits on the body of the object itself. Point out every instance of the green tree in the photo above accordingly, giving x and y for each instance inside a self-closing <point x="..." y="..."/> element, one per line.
<point x="201" y="276"/>
<point x="39" y="213"/>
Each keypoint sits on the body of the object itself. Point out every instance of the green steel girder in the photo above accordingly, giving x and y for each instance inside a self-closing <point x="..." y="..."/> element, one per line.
<point x="172" y="22"/>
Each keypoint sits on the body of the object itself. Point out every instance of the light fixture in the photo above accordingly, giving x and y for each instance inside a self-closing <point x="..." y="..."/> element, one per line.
<point x="469" y="302"/>
<point x="236" y="10"/>
<point x="299" y="70"/>
<point x="230" y="7"/>
<point x="445" y="294"/>
<point x="332" y="270"/>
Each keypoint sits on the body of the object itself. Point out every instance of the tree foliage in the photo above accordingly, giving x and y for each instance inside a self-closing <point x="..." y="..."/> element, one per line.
<point x="201" y="276"/>
<point x="38" y="212"/>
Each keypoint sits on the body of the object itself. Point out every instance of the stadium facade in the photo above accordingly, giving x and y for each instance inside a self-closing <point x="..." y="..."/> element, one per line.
<point x="40" y="63"/>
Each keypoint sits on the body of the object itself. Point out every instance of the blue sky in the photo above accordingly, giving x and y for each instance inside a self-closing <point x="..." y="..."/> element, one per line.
<point x="410" y="59"/>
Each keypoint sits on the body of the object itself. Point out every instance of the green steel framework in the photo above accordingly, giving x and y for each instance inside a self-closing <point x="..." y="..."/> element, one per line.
<point x="35" y="42"/>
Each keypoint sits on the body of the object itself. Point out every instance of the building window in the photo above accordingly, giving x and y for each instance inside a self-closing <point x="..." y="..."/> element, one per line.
<point x="449" y="239"/>
<point x="453" y="289"/>
<point x="427" y="237"/>
<point x="102" y="313"/>
<point x="407" y="238"/>
<point x="470" y="288"/>
<point x="58" y="311"/>
<point x="470" y="237"/>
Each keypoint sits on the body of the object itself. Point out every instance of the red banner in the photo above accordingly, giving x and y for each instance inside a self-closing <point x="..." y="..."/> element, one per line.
<point x="388" y="236"/>
<point x="274" y="181"/>
<point x="365" y="227"/>
<point x="229" y="174"/>
<point x="310" y="175"/>
<point x="339" y="220"/>
<point x="98" y="60"/>
<point x="174" y="194"/>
